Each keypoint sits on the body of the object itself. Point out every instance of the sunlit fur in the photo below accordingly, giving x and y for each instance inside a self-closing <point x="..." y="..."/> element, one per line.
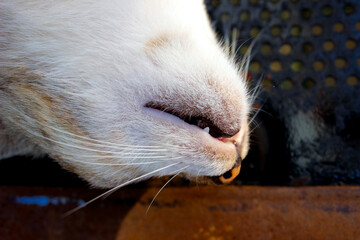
<point x="75" y="77"/>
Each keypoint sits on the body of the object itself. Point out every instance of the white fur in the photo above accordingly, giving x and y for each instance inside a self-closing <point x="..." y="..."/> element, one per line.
<point x="94" y="59"/>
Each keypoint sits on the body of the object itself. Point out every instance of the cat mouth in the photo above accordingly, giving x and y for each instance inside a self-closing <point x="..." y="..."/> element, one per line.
<point x="215" y="132"/>
<point x="200" y="121"/>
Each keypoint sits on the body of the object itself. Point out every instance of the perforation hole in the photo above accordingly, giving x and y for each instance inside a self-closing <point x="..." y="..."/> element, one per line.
<point x="330" y="81"/>
<point x="267" y="84"/>
<point x="296" y="66"/>
<point x="307" y="48"/>
<point x="287" y="84"/>
<point x="352" y="80"/>
<point x="350" y="44"/>
<point x="317" y="30"/>
<point x="275" y="30"/>
<point x="276" y="66"/>
<point x="327" y="10"/>
<point x="309" y="83"/>
<point x="254" y="2"/>
<point x="265" y="14"/>
<point x="255" y="67"/>
<point x="340" y="63"/>
<point x="254" y="31"/>
<point x="295" y="30"/>
<point x="285" y="49"/>
<point x="285" y="14"/>
<point x="215" y="3"/>
<point x="306" y="13"/>
<point x="328" y="45"/>
<point x="338" y="27"/>
<point x="266" y="49"/>
<point x="234" y="2"/>
<point x="243" y="49"/>
<point x="349" y="9"/>
<point x="318" y="66"/>
<point x="357" y="26"/>
<point x="244" y="16"/>
<point x="225" y="17"/>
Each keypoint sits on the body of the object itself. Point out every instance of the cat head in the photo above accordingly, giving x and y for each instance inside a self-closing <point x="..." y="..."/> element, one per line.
<point x="117" y="103"/>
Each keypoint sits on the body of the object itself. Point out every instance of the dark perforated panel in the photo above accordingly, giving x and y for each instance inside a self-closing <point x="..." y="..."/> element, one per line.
<point x="308" y="58"/>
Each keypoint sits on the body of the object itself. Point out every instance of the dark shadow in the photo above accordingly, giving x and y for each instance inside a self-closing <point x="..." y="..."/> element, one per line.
<point x="49" y="192"/>
<point x="267" y="162"/>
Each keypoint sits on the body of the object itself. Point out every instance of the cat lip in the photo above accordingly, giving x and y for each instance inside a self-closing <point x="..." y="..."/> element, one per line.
<point x="168" y="118"/>
<point x="203" y="133"/>
<point x="200" y="120"/>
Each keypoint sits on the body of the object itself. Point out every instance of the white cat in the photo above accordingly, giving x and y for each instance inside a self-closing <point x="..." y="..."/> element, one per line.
<point x="120" y="91"/>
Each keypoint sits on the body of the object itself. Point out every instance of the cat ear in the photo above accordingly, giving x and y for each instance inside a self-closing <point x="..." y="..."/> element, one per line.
<point x="13" y="145"/>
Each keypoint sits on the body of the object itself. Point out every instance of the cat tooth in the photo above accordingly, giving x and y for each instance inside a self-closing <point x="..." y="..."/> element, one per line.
<point x="207" y="129"/>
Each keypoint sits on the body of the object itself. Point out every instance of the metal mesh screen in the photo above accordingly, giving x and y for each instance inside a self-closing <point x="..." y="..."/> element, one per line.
<point x="308" y="59"/>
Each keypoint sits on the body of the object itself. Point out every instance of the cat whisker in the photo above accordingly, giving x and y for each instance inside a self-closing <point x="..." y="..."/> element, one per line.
<point x="104" y="142"/>
<point x="197" y="176"/>
<point x="233" y="50"/>
<point x="118" y="155"/>
<point x="238" y="59"/>
<point x="245" y="61"/>
<point x="117" y="146"/>
<point x="256" y="125"/>
<point x="254" y="93"/>
<point x="130" y="154"/>
<point x="263" y="111"/>
<point x="120" y="170"/>
<point x="116" y="188"/>
<point x="96" y="150"/>
<point x="152" y="201"/>
<point x="255" y="115"/>
<point x="120" y="164"/>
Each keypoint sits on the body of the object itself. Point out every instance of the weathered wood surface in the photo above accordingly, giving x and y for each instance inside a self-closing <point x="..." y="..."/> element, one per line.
<point x="206" y="212"/>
